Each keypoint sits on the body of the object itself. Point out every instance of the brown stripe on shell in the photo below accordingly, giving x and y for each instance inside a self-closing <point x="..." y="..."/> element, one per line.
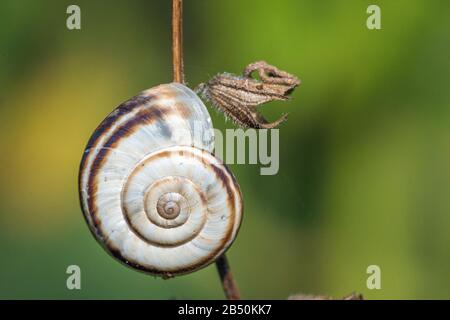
<point x="214" y="254"/>
<point x="109" y="121"/>
<point x="144" y="117"/>
<point x="226" y="183"/>
<point x="112" y="118"/>
<point x="183" y="110"/>
<point x="165" y="92"/>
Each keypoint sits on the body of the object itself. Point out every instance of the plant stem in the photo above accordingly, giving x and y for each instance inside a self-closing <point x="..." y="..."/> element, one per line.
<point x="228" y="283"/>
<point x="226" y="277"/>
<point x="177" y="40"/>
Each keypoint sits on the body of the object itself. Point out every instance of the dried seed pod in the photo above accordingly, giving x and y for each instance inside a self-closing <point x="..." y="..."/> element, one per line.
<point x="151" y="191"/>
<point x="238" y="96"/>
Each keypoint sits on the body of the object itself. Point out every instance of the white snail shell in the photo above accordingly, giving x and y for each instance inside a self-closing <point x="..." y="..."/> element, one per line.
<point x="151" y="191"/>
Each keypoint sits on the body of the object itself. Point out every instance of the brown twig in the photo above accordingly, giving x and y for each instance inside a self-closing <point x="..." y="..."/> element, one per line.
<point x="228" y="283"/>
<point x="177" y="40"/>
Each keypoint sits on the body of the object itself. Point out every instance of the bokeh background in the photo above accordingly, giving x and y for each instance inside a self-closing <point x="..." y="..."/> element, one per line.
<point x="364" y="158"/>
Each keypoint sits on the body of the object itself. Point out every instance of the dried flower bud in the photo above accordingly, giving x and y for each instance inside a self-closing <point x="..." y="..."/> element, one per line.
<point x="238" y="96"/>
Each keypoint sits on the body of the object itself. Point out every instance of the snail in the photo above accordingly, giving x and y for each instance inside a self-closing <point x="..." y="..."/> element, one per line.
<point x="151" y="190"/>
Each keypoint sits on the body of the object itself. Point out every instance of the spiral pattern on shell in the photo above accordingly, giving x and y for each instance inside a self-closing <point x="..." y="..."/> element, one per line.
<point x="152" y="192"/>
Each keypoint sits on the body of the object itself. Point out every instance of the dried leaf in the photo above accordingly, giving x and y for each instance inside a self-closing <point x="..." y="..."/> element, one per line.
<point x="238" y="96"/>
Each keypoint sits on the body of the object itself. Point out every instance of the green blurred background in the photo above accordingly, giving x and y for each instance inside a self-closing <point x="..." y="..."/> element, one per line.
<point x="364" y="158"/>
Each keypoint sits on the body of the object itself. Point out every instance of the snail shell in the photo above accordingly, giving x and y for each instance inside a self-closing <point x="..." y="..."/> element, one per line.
<point x="152" y="192"/>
